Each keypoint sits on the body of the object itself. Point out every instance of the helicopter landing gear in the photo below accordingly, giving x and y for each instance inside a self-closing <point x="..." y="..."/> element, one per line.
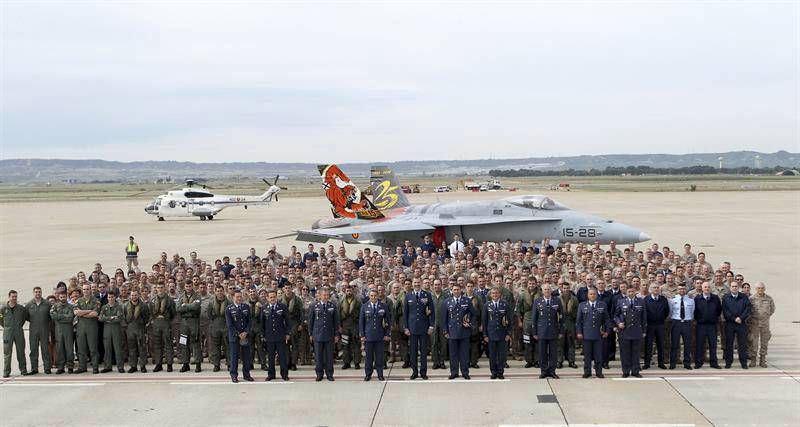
<point x="210" y="217"/>
<point x="161" y="218"/>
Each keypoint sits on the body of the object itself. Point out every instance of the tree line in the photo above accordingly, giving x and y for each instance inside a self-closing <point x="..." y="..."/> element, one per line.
<point x="638" y="170"/>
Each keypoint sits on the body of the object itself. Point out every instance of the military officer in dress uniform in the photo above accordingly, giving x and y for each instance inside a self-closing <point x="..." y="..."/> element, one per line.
<point x="237" y="317"/>
<point x="592" y="327"/>
<point x="275" y="323"/>
<point x="323" y="323"/>
<point x="736" y="309"/>
<point x="418" y="322"/>
<point x="375" y="328"/>
<point x="707" y="309"/>
<point x="458" y="316"/>
<point x="547" y="327"/>
<point x="631" y="319"/>
<point x="497" y="316"/>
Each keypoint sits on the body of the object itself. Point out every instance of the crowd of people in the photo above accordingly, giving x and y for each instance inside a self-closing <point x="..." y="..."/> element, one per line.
<point x="454" y="304"/>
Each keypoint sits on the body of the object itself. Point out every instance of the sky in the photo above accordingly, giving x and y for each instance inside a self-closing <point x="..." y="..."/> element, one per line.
<point x="380" y="81"/>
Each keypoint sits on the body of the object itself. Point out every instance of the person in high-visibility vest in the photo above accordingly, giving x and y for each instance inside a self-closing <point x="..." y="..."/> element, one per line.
<point x="132" y="255"/>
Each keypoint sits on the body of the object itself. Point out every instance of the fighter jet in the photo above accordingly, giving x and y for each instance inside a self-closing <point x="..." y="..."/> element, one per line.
<point x="389" y="219"/>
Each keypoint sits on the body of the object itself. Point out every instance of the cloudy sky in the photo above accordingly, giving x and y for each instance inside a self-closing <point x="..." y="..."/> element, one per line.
<point x="378" y="81"/>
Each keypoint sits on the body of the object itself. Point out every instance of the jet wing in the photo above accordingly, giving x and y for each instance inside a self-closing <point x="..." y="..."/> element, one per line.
<point x="415" y="224"/>
<point x="448" y="220"/>
<point x="372" y="227"/>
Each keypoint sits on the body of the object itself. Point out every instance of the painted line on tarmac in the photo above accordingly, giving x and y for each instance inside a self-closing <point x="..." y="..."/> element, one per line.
<point x="597" y="425"/>
<point x="462" y="381"/>
<point x="694" y="378"/>
<point x="639" y="379"/>
<point x="241" y="382"/>
<point x="26" y="384"/>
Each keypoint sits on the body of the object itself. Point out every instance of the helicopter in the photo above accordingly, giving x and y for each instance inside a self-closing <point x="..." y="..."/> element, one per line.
<point x="198" y="201"/>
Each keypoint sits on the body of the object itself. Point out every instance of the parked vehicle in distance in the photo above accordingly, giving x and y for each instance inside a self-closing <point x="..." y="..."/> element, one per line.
<point x="442" y="189"/>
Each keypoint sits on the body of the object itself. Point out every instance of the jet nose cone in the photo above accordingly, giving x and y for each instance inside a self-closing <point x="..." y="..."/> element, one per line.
<point x="643" y="237"/>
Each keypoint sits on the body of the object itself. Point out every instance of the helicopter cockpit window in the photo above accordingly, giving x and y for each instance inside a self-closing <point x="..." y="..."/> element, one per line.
<point x="196" y="195"/>
<point x="536" y="202"/>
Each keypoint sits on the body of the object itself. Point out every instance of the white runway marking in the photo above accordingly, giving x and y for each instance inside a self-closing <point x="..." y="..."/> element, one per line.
<point x="241" y="382"/>
<point x="11" y="384"/>
<point x="639" y="379"/>
<point x="446" y="381"/>
<point x="694" y="378"/>
<point x="597" y="425"/>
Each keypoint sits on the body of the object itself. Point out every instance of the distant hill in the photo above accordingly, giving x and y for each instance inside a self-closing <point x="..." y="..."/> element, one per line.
<point x="59" y="170"/>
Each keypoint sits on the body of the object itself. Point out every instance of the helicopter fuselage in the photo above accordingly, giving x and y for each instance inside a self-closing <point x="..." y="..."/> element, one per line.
<point x="193" y="202"/>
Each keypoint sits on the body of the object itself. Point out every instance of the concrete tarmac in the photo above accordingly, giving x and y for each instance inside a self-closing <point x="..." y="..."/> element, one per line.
<point x="758" y="232"/>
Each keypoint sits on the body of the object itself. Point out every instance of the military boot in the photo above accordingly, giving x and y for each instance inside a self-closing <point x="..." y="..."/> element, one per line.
<point x="763" y="362"/>
<point x="185" y="367"/>
<point x="753" y="362"/>
<point x="197" y="368"/>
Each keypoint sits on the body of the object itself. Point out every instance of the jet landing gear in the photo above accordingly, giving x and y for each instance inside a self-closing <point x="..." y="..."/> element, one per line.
<point x="161" y="218"/>
<point x="209" y="217"/>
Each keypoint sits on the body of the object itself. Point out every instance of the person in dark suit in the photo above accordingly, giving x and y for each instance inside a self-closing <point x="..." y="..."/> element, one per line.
<point x="497" y="315"/>
<point x="707" y="309"/>
<point x="592" y="327"/>
<point x="548" y="327"/>
<point x="631" y="327"/>
<point x="323" y="324"/>
<point x="658" y="310"/>
<point x="375" y="328"/>
<point x="458" y="317"/>
<point x="418" y="321"/>
<point x="237" y="316"/>
<point x="736" y="309"/>
<point x="275" y="333"/>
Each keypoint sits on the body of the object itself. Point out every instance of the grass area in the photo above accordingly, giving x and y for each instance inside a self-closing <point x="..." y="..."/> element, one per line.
<point x="311" y="187"/>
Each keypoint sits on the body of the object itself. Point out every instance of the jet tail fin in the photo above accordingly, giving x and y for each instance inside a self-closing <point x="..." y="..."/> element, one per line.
<point x="386" y="191"/>
<point x="346" y="199"/>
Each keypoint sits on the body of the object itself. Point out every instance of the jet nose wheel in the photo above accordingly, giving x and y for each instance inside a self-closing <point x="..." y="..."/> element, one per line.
<point x="210" y="217"/>
<point x="202" y="218"/>
<point x="161" y="218"/>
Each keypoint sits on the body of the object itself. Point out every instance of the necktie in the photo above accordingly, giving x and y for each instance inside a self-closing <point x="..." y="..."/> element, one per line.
<point x="592" y="304"/>
<point x="683" y="310"/>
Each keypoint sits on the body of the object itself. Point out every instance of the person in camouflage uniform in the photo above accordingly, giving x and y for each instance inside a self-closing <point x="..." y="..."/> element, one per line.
<point x="39" y="331"/>
<point x="137" y="316"/>
<point x="62" y="314"/>
<point x="349" y="308"/>
<point x="162" y="308"/>
<point x="12" y="317"/>
<point x="112" y="315"/>
<point x="759" y="333"/>
<point x="566" y="344"/>
<point x="189" y="310"/>
<point x="87" y="309"/>
<point x="218" y="331"/>
<point x="297" y="316"/>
